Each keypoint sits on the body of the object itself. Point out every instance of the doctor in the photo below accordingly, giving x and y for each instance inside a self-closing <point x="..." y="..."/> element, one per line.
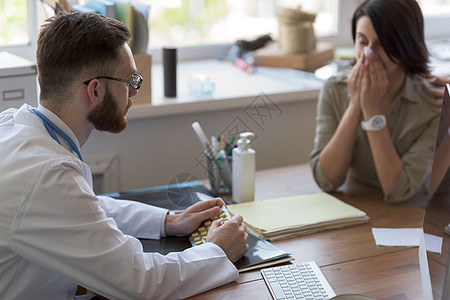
<point x="55" y="233"/>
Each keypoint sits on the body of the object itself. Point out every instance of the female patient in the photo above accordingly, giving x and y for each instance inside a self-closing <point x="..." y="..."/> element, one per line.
<point x="377" y="124"/>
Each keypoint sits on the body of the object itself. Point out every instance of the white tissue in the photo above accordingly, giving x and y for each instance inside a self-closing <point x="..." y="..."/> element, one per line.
<point x="367" y="51"/>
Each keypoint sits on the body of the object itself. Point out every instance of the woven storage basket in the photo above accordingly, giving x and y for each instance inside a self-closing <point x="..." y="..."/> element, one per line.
<point x="296" y="31"/>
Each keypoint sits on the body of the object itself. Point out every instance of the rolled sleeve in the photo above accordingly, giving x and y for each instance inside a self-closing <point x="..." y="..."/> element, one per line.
<point x="321" y="179"/>
<point x="417" y="163"/>
<point x="330" y="108"/>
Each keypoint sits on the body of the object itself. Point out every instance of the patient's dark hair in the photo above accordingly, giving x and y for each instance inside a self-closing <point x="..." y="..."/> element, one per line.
<point x="400" y="28"/>
<point x="72" y="46"/>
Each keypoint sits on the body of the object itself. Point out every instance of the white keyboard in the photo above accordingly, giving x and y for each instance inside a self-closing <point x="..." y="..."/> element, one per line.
<point x="298" y="281"/>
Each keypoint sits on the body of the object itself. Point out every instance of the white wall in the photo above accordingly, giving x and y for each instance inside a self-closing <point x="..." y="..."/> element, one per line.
<point x="152" y="151"/>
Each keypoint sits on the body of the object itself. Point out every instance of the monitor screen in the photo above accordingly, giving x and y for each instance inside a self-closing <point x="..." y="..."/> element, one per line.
<point x="437" y="213"/>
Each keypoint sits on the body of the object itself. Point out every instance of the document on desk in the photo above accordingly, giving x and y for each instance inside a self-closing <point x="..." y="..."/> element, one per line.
<point x="297" y="215"/>
<point x="408" y="237"/>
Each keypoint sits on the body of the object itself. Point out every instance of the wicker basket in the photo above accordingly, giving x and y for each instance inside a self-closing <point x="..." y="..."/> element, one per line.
<point x="296" y="31"/>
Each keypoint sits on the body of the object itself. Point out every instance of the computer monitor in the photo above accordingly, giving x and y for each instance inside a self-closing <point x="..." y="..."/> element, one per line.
<point x="435" y="266"/>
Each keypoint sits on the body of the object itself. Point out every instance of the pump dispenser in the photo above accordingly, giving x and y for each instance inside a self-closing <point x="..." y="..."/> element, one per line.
<point x="243" y="169"/>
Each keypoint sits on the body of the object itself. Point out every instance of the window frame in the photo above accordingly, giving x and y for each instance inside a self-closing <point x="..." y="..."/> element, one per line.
<point x="27" y="51"/>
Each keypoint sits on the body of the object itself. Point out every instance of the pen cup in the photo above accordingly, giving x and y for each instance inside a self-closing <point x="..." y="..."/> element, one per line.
<point x="219" y="173"/>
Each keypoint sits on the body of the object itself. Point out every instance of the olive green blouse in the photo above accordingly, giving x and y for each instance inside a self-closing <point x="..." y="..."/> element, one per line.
<point x="412" y="123"/>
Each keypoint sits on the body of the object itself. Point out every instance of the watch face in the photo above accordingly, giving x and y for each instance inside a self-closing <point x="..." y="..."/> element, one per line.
<point x="378" y="123"/>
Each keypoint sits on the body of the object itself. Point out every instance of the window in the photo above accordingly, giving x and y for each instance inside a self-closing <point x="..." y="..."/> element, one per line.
<point x="437" y="20"/>
<point x="14" y="23"/>
<point x="206" y="27"/>
<point x="184" y="23"/>
<point x="18" y="29"/>
<point x="435" y="7"/>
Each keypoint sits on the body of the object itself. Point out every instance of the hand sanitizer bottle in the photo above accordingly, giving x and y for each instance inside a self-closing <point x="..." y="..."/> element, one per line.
<point x="243" y="169"/>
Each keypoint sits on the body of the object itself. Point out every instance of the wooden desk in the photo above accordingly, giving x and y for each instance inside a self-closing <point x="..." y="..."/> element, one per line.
<point x="349" y="257"/>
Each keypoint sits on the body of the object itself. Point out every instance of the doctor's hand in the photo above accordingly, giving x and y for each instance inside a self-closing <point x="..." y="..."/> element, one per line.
<point x="438" y="90"/>
<point x="186" y="222"/>
<point x="230" y="236"/>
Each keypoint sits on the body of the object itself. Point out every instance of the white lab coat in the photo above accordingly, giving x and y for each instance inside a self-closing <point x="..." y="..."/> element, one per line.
<point x="55" y="233"/>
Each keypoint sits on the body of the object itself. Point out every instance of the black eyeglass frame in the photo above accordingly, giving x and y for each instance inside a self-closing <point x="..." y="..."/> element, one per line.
<point x="135" y="81"/>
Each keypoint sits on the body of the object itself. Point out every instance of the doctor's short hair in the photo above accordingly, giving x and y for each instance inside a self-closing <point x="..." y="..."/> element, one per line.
<point x="72" y="46"/>
<point x="399" y="26"/>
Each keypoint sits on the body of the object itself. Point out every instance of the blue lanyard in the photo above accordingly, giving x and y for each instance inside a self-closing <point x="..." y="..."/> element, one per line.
<point x="53" y="129"/>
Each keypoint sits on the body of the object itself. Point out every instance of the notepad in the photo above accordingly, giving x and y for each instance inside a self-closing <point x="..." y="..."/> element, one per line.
<point x="297" y="215"/>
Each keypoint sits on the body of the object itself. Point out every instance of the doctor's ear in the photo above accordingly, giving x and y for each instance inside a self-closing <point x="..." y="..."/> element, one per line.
<point x="95" y="90"/>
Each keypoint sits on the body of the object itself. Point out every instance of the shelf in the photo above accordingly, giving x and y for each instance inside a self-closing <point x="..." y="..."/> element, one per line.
<point x="234" y="88"/>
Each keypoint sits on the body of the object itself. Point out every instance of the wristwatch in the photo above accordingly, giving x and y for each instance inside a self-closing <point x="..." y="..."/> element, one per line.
<point x="376" y="123"/>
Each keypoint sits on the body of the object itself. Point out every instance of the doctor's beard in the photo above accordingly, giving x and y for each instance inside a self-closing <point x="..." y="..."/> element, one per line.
<point x="107" y="115"/>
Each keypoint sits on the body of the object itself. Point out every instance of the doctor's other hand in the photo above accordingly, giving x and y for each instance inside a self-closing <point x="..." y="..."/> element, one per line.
<point x="230" y="236"/>
<point x="437" y="90"/>
<point x="184" y="223"/>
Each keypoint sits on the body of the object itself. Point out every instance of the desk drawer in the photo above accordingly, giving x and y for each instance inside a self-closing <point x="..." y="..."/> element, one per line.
<point x="17" y="90"/>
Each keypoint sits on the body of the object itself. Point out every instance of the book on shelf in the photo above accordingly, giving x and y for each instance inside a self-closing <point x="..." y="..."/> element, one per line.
<point x="125" y="13"/>
<point x="133" y="14"/>
<point x="103" y="7"/>
<point x="82" y="8"/>
<point x="141" y="27"/>
<point x="286" y="217"/>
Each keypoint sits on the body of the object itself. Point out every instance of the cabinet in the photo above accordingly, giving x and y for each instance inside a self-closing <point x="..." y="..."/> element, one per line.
<point x="18" y="84"/>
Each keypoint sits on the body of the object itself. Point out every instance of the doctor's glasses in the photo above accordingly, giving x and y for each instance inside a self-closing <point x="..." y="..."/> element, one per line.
<point x="135" y="80"/>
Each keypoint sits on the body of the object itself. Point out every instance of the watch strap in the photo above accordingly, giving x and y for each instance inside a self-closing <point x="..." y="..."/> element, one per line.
<point x="375" y="123"/>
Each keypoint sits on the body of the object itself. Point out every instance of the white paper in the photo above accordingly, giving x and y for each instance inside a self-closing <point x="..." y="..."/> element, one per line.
<point x="433" y="243"/>
<point x="397" y="236"/>
<point x="406" y="237"/>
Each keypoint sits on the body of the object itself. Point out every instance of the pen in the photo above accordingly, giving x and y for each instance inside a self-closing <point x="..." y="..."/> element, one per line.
<point x="222" y="143"/>
<point x="210" y="152"/>
<point x="230" y="145"/>
<point x="200" y="134"/>
<point x="221" y="158"/>
<point x="219" y="167"/>
<point x="214" y="144"/>
<point x="207" y="148"/>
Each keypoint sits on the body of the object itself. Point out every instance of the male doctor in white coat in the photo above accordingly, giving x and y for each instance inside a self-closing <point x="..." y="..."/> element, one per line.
<point x="55" y="233"/>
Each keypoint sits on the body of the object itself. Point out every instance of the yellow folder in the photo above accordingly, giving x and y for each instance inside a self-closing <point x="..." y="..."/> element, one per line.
<point x="297" y="215"/>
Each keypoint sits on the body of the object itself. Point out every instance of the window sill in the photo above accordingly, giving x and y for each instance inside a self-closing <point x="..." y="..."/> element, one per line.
<point x="234" y="88"/>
